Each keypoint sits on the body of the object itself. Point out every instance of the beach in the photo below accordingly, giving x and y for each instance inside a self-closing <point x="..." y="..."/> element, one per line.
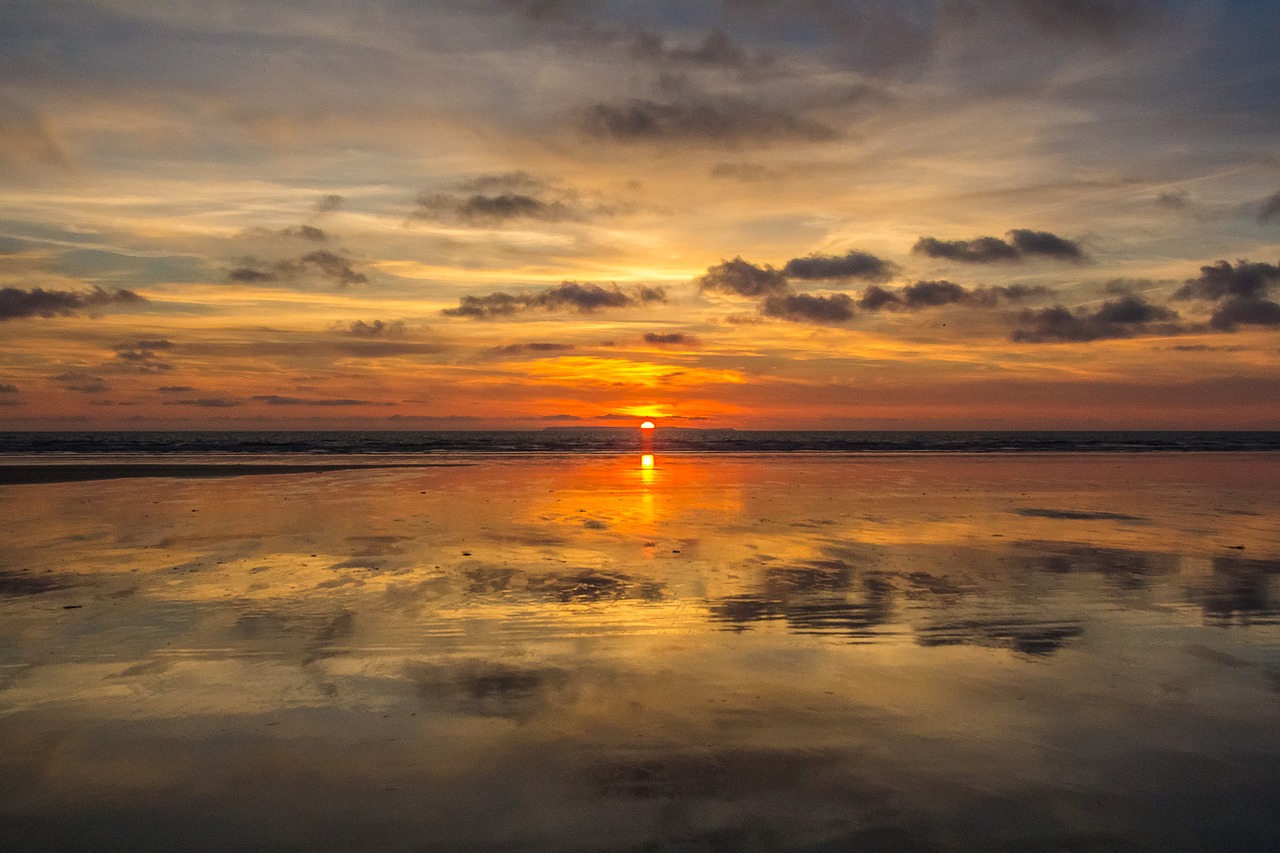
<point x="806" y="651"/>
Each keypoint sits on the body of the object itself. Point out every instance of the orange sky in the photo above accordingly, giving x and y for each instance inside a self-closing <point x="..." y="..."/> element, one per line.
<point x="519" y="214"/>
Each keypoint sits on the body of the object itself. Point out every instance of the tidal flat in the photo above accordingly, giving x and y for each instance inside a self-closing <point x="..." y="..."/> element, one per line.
<point x="579" y="653"/>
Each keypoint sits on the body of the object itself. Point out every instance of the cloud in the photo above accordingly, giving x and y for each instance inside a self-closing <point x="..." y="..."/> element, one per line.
<point x="743" y="278"/>
<point x="1244" y="311"/>
<point x="853" y="264"/>
<point x="206" y="403"/>
<point x="1044" y="243"/>
<point x="251" y="275"/>
<point x="670" y="339"/>
<point x="81" y="382"/>
<point x="1022" y="242"/>
<point x="276" y="400"/>
<point x="376" y="329"/>
<point x="982" y="250"/>
<point x="931" y="294"/>
<point x="928" y="294"/>
<point x="1174" y="199"/>
<point x="808" y="308"/>
<point x="334" y="266"/>
<point x="536" y="347"/>
<point x="1125" y="317"/>
<point x="8" y="389"/>
<point x="322" y="262"/>
<point x="18" y="304"/>
<point x="569" y="295"/>
<point x="1219" y="280"/>
<point x="329" y="203"/>
<point x="175" y="389"/>
<point x="1270" y="209"/>
<point x="306" y="232"/>
<point x="492" y="200"/>
<point x="141" y="356"/>
<point x="724" y="120"/>
<point x="493" y="209"/>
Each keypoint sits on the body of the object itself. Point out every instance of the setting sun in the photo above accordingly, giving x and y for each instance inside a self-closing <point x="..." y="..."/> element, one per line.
<point x="647" y="425"/>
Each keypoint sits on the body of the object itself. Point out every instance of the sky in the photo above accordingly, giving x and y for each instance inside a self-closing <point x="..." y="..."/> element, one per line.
<point x="472" y="214"/>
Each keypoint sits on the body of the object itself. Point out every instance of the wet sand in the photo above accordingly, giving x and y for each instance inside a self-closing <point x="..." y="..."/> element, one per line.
<point x="577" y="653"/>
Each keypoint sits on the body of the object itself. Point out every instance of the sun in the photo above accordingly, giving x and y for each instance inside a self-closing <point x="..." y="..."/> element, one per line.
<point x="647" y="425"/>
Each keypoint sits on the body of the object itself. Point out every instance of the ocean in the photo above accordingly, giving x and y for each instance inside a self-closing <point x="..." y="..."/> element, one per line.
<point x="549" y="641"/>
<point x="628" y="440"/>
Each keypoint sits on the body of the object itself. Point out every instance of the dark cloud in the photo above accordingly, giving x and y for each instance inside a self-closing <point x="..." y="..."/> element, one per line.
<point x="928" y="294"/>
<point x="1174" y="199"/>
<point x="875" y="298"/>
<point x="306" y="232"/>
<point x="141" y="359"/>
<point x="1244" y="311"/>
<point x="808" y="308"/>
<point x="1077" y="515"/>
<point x="853" y="264"/>
<point x="931" y="294"/>
<point x="8" y="389"/>
<point x="725" y="120"/>
<point x="251" y="275"/>
<point x="1015" y="292"/>
<point x="491" y="200"/>
<point x="493" y="209"/>
<point x="376" y="329"/>
<point x="568" y="295"/>
<point x="1022" y="242"/>
<point x="334" y="266"/>
<point x="175" y="389"/>
<point x="329" y="203"/>
<point x="1219" y="280"/>
<point x="81" y="382"/>
<point x="1120" y="318"/>
<point x="982" y="250"/>
<point x="206" y="403"/>
<point x="517" y="181"/>
<point x="536" y="347"/>
<point x="276" y="400"/>
<point x="670" y="339"/>
<point x="1270" y="209"/>
<point x="328" y="264"/>
<point x="743" y="278"/>
<point x="18" y="304"/>
<point x="1045" y="243"/>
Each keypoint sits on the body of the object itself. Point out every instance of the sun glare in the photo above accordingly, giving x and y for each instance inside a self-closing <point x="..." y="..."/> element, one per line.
<point x="647" y="425"/>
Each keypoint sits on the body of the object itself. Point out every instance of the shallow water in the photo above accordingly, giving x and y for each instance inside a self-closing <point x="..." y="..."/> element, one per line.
<point x="576" y="653"/>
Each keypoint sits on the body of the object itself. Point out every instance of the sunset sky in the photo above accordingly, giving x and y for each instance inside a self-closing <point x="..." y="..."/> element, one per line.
<point x="526" y="213"/>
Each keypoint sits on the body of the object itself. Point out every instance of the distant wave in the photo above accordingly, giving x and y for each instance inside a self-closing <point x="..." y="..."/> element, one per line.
<point x="626" y="440"/>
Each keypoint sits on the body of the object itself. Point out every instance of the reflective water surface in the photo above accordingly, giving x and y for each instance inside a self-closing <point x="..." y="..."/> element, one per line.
<point x="766" y="652"/>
